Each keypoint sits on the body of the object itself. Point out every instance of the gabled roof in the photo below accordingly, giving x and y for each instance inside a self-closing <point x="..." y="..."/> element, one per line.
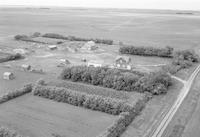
<point x="126" y="58"/>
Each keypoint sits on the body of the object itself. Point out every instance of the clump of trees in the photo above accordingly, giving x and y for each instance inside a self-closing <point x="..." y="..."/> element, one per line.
<point x="5" y="132"/>
<point x="21" y="37"/>
<point x="74" y="38"/>
<point x="156" y="83"/>
<point x="147" y="51"/>
<point x="182" y="59"/>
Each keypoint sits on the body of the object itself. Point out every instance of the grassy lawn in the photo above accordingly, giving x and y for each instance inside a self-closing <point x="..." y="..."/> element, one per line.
<point x="38" y="117"/>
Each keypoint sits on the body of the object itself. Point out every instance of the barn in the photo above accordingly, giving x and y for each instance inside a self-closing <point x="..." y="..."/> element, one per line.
<point x="123" y="62"/>
<point x="90" y="45"/>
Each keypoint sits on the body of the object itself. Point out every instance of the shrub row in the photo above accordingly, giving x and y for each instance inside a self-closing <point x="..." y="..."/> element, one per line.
<point x="156" y="83"/>
<point x="26" y="89"/>
<point x="4" y="132"/>
<point x="10" y="57"/>
<point x="73" y="38"/>
<point x="94" y="102"/>
<point x="147" y="51"/>
<point x="124" y="120"/>
<point x="28" y="39"/>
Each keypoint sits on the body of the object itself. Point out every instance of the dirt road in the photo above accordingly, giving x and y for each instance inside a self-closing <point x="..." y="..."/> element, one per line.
<point x="157" y="132"/>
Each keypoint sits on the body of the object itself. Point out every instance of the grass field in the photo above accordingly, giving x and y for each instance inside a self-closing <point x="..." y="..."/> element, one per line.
<point x="38" y="117"/>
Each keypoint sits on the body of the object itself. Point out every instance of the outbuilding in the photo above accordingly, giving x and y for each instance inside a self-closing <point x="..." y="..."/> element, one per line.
<point x="8" y="76"/>
<point x="90" y="45"/>
<point x="26" y="67"/>
<point x="52" y="47"/>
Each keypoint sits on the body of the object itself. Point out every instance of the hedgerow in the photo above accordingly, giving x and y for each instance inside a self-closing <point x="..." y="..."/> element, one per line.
<point x="156" y="83"/>
<point x="8" y="96"/>
<point x="5" y="132"/>
<point x="123" y="121"/>
<point x="147" y="51"/>
<point x="9" y="57"/>
<point x="94" y="102"/>
<point x="73" y="38"/>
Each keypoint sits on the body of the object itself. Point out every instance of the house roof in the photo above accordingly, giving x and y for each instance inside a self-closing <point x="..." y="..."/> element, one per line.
<point x="126" y="58"/>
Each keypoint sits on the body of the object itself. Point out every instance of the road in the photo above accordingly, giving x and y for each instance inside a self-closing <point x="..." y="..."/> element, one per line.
<point x="162" y="125"/>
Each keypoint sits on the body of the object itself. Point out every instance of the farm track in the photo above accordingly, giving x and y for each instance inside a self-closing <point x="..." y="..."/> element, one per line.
<point x="162" y="125"/>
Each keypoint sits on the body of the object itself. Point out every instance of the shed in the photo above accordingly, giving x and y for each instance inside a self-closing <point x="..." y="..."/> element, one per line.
<point x="52" y="47"/>
<point x="65" y="61"/>
<point x="8" y="76"/>
<point x="26" y="67"/>
<point x="94" y="64"/>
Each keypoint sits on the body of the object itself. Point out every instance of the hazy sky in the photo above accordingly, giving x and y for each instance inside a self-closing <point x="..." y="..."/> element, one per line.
<point x="149" y="4"/>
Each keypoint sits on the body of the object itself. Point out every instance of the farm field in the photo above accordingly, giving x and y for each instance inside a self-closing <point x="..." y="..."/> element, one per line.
<point x="38" y="117"/>
<point x="133" y="27"/>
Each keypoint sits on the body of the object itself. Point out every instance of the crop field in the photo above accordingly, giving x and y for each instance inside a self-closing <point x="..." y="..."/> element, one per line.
<point x="142" y="29"/>
<point x="38" y="117"/>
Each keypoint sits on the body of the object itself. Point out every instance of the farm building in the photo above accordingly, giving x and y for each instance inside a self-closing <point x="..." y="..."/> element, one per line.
<point x="94" y="64"/>
<point x="8" y="76"/>
<point x="90" y="45"/>
<point x="65" y="61"/>
<point x="123" y="62"/>
<point x="26" y="67"/>
<point x="52" y="47"/>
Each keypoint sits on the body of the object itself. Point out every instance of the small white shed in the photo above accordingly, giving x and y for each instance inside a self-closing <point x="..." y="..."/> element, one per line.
<point x="52" y="47"/>
<point x="8" y="76"/>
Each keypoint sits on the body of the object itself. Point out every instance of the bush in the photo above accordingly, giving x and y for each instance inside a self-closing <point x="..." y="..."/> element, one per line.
<point x="147" y="51"/>
<point x="94" y="102"/>
<point x="4" y="132"/>
<point x="26" y="89"/>
<point x="21" y="37"/>
<point x="118" y="79"/>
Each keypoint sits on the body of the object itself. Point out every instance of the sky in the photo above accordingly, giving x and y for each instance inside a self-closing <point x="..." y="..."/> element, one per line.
<point x="138" y="4"/>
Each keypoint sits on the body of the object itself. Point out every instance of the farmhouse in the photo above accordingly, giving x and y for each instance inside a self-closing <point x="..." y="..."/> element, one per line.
<point x="8" y="76"/>
<point x="123" y="62"/>
<point x="52" y="47"/>
<point x="90" y="45"/>
<point x="94" y="64"/>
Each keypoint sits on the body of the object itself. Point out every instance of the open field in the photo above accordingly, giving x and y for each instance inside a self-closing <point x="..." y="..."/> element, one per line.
<point x="38" y="117"/>
<point x="137" y="28"/>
